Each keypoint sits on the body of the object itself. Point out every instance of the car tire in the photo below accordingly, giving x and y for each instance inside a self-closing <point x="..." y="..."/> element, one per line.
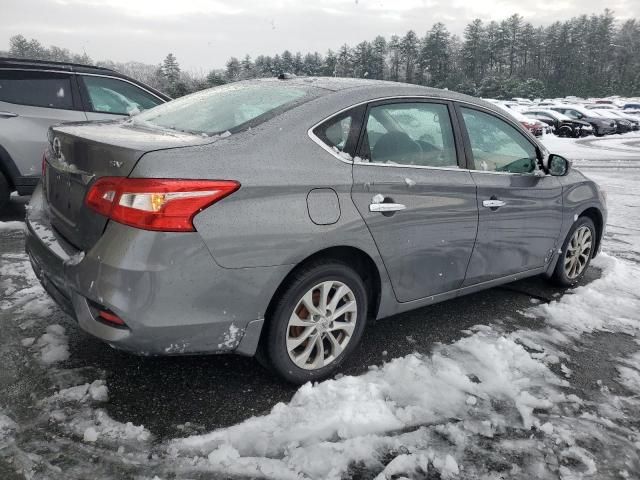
<point x="576" y="254"/>
<point x="296" y="344"/>
<point x="5" y="191"/>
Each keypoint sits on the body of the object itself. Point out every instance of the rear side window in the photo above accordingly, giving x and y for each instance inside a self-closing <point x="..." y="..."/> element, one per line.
<point x="37" y="89"/>
<point x="340" y="133"/>
<point x="496" y="145"/>
<point x="110" y="95"/>
<point x="230" y="108"/>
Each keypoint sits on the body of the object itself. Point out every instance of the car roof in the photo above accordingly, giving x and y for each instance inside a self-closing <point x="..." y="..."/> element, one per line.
<point x="365" y="90"/>
<point x="28" y="64"/>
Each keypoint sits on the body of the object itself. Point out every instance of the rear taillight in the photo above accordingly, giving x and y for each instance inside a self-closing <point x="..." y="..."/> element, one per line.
<point x="166" y="205"/>
<point x="111" y="318"/>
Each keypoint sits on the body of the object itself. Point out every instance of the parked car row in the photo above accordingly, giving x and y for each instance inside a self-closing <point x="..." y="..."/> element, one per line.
<point x="573" y="117"/>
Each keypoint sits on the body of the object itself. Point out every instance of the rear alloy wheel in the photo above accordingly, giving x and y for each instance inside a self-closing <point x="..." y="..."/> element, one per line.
<point x="577" y="252"/>
<point x="5" y="191"/>
<point x="317" y="322"/>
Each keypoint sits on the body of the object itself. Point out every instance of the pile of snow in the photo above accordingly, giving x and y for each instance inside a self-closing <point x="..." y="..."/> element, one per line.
<point x="610" y="303"/>
<point x="96" y="391"/>
<point x="12" y="225"/>
<point x="23" y="294"/>
<point x="331" y="425"/>
<point x="53" y="345"/>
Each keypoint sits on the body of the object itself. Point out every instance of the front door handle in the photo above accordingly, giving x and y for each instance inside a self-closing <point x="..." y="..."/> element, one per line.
<point x="8" y="114"/>
<point x="493" y="203"/>
<point x="386" y="207"/>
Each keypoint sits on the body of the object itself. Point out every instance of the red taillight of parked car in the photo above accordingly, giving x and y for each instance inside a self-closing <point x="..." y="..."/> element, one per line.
<point x="166" y="205"/>
<point x="111" y="318"/>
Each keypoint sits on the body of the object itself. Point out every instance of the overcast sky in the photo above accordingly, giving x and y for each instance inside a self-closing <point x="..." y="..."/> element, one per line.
<point x="203" y="34"/>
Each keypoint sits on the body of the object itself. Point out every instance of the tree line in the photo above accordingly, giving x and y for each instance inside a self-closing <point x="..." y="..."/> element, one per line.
<point x="587" y="56"/>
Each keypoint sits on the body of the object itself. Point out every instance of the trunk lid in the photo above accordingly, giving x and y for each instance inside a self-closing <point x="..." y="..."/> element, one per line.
<point x="80" y="153"/>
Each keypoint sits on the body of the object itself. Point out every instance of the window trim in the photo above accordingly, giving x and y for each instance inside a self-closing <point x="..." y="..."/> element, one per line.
<point x="84" y="92"/>
<point x="397" y="99"/>
<point x="508" y="121"/>
<point x="77" y="105"/>
<point x="456" y="125"/>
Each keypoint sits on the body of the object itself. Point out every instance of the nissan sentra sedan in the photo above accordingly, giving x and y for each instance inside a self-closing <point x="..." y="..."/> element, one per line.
<point x="276" y="218"/>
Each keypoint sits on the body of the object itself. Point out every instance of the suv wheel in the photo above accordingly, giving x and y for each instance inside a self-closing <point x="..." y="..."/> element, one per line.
<point x="5" y="191"/>
<point x="576" y="253"/>
<point x="316" y="323"/>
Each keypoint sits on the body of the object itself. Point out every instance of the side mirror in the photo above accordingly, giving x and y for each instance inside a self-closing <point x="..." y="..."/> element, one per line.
<point x="558" y="166"/>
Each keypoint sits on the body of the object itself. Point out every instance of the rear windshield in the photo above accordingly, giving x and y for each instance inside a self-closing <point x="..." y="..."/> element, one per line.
<point x="229" y="108"/>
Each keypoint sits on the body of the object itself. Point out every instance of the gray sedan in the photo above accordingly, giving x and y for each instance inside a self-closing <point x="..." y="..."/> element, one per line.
<point x="278" y="217"/>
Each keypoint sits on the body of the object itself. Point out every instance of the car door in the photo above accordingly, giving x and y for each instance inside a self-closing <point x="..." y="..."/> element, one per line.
<point x="30" y="102"/>
<point x="415" y="196"/>
<point x="545" y="118"/>
<point x="520" y="208"/>
<point x="108" y="98"/>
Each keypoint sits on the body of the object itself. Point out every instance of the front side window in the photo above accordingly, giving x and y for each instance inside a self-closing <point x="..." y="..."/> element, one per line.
<point x="496" y="145"/>
<point x="37" y="89"/>
<point x="110" y="95"/>
<point x="542" y="116"/>
<point x="418" y="134"/>
<point x="229" y="108"/>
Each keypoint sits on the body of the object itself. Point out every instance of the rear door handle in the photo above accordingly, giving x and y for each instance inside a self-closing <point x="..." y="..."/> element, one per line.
<point x="493" y="203"/>
<point x="386" y="207"/>
<point x="8" y="114"/>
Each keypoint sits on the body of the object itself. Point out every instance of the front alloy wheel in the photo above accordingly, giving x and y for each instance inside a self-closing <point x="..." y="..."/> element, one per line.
<point x="316" y="322"/>
<point x="578" y="252"/>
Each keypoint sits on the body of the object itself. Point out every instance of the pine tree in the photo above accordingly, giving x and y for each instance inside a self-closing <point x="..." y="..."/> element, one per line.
<point x="171" y="69"/>
<point x="344" y="62"/>
<point x="378" y="55"/>
<point x="435" y="55"/>
<point x="234" y="69"/>
<point x="362" y="60"/>
<point x="409" y="54"/>
<point x="395" y="58"/>
<point x="329" y="66"/>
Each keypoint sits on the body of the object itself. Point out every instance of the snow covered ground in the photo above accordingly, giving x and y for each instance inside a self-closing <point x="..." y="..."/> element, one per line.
<point x="550" y="391"/>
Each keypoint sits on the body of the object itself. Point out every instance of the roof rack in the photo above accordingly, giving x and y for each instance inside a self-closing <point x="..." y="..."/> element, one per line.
<point x="40" y="63"/>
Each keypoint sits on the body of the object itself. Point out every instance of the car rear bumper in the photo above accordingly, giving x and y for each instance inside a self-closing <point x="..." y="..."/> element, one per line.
<point x="166" y="287"/>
